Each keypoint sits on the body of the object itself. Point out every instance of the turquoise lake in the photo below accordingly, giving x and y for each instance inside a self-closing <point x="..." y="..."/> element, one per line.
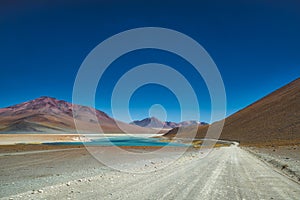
<point x="123" y="141"/>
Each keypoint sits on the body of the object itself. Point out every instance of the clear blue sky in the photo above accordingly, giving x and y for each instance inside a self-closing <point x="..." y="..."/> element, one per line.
<point x="255" y="44"/>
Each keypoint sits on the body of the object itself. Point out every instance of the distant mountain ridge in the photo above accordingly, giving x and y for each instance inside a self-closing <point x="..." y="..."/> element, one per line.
<point x="47" y="114"/>
<point x="153" y="122"/>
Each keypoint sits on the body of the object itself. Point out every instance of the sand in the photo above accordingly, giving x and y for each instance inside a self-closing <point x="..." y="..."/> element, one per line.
<point x="285" y="158"/>
<point x="9" y="139"/>
<point x="226" y="173"/>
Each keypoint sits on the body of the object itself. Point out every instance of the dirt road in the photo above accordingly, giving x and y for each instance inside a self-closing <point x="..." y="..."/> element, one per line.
<point x="226" y="173"/>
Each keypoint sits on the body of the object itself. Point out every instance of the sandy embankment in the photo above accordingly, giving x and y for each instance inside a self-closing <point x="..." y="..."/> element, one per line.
<point x="285" y="158"/>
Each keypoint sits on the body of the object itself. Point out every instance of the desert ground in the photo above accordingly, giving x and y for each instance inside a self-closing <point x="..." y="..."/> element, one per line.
<point x="10" y="139"/>
<point x="284" y="158"/>
<point x="72" y="173"/>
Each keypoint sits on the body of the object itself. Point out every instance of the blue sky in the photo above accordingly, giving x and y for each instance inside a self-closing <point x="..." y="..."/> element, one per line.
<point x="255" y="44"/>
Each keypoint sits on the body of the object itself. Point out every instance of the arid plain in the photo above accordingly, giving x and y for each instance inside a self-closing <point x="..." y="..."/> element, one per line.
<point x="261" y="162"/>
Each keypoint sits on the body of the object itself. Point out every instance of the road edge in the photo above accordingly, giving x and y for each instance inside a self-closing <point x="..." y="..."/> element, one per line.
<point x="278" y="166"/>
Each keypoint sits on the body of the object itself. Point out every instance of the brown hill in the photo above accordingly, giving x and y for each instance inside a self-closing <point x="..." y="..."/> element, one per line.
<point x="272" y="120"/>
<point x="49" y="115"/>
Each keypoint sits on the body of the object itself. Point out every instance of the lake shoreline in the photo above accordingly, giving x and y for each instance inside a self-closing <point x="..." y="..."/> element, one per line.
<point x="13" y="139"/>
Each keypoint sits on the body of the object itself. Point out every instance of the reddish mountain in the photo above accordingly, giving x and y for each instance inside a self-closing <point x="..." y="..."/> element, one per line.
<point x="46" y="114"/>
<point x="272" y="120"/>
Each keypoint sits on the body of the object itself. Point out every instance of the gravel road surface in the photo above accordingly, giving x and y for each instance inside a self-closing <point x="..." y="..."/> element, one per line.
<point x="226" y="173"/>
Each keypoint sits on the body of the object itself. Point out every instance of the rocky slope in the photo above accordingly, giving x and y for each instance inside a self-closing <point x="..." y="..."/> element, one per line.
<point x="272" y="120"/>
